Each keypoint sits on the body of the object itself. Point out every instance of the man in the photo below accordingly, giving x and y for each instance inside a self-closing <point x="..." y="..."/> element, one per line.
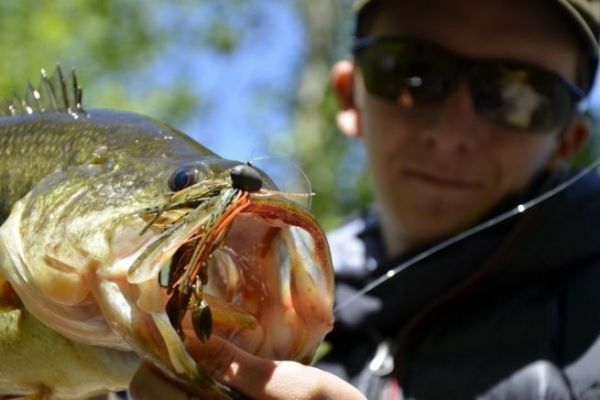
<point x="453" y="103"/>
<point x="467" y="108"/>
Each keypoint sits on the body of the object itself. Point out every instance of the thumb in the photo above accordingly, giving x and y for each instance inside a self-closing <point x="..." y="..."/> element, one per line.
<point x="232" y="366"/>
<point x="149" y="384"/>
<point x="260" y="378"/>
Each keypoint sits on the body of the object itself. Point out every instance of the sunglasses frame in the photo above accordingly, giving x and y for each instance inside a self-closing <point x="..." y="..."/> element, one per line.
<point x="576" y="94"/>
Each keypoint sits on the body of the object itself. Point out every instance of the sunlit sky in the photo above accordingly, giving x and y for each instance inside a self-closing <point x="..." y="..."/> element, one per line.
<point x="249" y="88"/>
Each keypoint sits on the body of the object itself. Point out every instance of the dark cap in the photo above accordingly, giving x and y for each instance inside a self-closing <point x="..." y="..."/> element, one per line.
<point x="582" y="15"/>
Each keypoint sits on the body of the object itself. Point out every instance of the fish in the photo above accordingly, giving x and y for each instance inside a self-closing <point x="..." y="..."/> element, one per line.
<point x="122" y="237"/>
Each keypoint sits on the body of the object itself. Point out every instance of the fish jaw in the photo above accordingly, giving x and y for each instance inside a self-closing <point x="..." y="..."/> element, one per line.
<point x="270" y="284"/>
<point x="287" y="284"/>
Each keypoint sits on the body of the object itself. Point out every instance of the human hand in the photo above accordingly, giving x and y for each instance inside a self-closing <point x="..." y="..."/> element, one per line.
<point x="253" y="376"/>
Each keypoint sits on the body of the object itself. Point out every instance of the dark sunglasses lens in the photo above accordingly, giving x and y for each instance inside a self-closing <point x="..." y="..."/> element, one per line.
<point x="406" y="71"/>
<point x="515" y="95"/>
<point x="521" y="97"/>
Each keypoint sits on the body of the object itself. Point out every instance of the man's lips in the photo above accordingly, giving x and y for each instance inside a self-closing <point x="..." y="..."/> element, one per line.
<point x="440" y="180"/>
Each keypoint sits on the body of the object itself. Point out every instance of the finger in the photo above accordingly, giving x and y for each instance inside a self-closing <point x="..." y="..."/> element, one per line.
<point x="149" y="384"/>
<point x="232" y="366"/>
<point x="260" y="378"/>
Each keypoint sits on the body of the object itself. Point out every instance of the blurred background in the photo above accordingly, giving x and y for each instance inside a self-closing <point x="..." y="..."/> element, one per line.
<point x="246" y="78"/>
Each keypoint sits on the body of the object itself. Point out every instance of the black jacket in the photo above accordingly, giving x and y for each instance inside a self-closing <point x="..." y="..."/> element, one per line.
<point x="512" y="312"/>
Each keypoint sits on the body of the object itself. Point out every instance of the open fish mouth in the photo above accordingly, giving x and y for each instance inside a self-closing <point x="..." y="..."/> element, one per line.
<point x="251" y="267"/>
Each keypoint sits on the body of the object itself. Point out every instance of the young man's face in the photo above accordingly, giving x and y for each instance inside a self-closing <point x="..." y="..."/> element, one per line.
<point x="439" y="169"/>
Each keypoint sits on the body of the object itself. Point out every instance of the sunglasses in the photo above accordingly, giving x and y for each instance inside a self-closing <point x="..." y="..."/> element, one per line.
<point x="513" y="94"/>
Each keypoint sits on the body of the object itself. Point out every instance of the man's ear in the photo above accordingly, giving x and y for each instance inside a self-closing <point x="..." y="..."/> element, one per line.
<point x="572" y="140"/>
<point x="342" y="80"/>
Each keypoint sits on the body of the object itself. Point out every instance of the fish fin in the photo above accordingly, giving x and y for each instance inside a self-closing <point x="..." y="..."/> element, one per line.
<point x="55" y="93"/>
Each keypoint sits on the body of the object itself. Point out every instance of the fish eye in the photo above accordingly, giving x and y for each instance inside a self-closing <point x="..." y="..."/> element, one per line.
<point x="183" y="177"/>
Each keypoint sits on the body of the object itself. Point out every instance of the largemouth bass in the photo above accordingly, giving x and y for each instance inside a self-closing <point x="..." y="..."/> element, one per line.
<point x="122" y="236"/>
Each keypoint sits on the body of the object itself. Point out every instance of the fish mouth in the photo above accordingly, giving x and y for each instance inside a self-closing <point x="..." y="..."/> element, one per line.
<point x="264" y="282"/>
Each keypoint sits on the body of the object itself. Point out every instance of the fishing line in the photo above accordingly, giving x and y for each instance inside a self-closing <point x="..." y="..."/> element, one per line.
<point x="519" y="209"/>
<point x="288" y="176"/>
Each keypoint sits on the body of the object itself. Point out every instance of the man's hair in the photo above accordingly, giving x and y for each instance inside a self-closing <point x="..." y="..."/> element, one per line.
<point x="586" y="63"/>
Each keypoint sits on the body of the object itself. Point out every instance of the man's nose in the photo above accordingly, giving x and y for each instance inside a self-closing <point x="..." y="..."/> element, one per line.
<point x="451" y="128"/>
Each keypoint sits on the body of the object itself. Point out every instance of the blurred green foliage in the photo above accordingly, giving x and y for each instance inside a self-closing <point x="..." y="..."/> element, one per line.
<point x="113" y="44"/>
<point x="100" y="37"/>
<point x="107" y="41"/>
